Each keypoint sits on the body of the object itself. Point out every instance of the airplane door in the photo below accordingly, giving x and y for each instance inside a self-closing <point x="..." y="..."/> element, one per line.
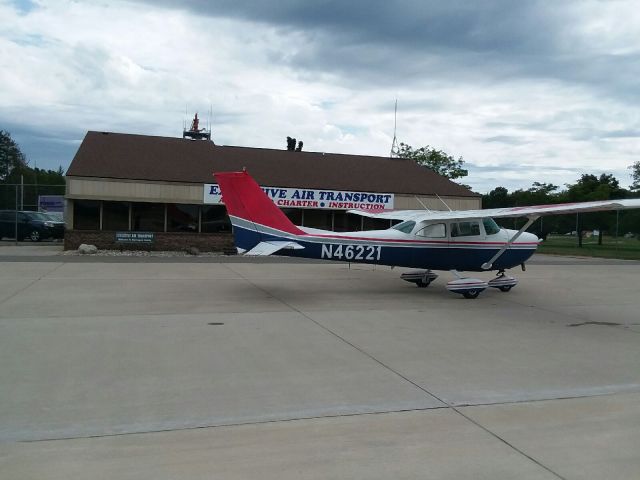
<point x="434" y="236"/>
<point x="466" y="244"/>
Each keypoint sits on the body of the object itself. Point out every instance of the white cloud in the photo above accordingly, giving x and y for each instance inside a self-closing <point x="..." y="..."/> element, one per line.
<point x="67" y="67"/>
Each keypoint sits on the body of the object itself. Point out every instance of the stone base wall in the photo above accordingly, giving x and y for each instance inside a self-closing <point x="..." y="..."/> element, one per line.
<point x="205" y="242"/>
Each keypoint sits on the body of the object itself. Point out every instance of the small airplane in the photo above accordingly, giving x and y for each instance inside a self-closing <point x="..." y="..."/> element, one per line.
<point x="457" y="241"/>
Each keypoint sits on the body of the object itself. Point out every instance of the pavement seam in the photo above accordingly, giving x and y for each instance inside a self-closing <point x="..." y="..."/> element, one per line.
<point x="30" y="284"/>
<point x="314" y="417"/>
<point x="237" y="424"/>
<point x="328" y="330"/>
<point x="540" y="400"/>
<point x="447" y="404"/>
<point x="509" y="444"/>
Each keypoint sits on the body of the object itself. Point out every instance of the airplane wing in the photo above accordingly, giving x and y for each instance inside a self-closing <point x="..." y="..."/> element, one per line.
<point x="401" y="214"/>
<point x="527" y="211"/>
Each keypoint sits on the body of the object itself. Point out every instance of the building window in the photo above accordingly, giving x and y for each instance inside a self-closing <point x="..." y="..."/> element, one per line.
<point x="318" y="219"/>
<point x="86" y="215"/>
<point x="293" y="214"/>
<point x="115" y="216"/>
<point x="182" y="218"/>
<point x="147" y="217"/>
<point x="346" y="222"/>
<point x="215" y="219"/>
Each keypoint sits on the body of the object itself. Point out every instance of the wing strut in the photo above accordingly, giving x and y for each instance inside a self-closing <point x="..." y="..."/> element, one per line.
<point x="489" y="264"/>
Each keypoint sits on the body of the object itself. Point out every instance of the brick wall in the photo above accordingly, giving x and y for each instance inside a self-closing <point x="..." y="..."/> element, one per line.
<point x="205" y="242"/>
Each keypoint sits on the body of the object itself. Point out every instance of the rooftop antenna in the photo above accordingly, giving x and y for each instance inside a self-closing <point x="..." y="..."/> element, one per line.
<point x="395" y="150"/>
<point x="184" y="119"/>
<point x="195" y="132"/>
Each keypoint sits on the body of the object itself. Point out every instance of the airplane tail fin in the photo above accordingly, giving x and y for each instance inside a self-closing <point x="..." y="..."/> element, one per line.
<point x="254" y="216"/>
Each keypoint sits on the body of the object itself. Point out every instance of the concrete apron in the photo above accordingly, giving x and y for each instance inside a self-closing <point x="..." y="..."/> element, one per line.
<point x="293" y="370"/>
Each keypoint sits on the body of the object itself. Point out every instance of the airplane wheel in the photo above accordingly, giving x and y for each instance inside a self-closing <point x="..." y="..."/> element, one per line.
<point x="505" y="288"/>
<point x="471" y="294"/>
<point x="422" y="284"/>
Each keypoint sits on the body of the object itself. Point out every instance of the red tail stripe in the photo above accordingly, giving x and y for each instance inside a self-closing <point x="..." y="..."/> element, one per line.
<point x="244" y="199"/>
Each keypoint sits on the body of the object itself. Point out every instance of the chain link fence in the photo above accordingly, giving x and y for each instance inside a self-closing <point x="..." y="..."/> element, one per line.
<point x="18" y="198"/>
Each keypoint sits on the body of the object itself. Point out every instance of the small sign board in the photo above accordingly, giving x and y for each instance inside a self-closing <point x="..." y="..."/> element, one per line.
<point x="51" y="203"/>
<point x="135" y="237"/>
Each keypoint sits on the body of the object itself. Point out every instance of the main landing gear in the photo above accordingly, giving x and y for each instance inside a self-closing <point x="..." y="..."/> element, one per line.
<point x="422" y="278"/>
<point x="467" y="287"/>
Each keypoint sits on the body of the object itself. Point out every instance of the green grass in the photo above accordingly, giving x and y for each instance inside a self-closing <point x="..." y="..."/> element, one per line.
<point x="623" y="248"/>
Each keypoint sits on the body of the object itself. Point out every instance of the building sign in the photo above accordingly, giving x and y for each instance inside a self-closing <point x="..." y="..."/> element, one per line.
<point x="135" y="237"/>
<point x="308" y="198"/>
<point x="51" y="203"/>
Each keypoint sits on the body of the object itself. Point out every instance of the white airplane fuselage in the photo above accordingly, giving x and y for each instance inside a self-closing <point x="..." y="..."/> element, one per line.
<point x="451" y="245"/>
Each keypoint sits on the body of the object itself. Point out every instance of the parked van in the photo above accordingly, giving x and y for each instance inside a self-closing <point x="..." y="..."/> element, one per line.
<point x="32" y="225"/>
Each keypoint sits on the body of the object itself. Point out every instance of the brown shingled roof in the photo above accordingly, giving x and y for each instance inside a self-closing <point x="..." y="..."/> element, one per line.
<point x="141" y="157"/>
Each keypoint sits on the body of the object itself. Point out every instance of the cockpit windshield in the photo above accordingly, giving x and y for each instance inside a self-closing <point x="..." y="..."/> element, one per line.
<point x="405" y="227"/>
<point x="490" y="226"/>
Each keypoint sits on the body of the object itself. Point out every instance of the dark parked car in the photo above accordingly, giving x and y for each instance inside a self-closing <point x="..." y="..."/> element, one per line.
<point x="54" y="216"/>
<point x="33" y="225"/>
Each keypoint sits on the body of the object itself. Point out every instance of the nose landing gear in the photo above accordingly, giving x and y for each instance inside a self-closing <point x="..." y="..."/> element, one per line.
<point x="503" y="282"/>
<point x="467" y="287"/>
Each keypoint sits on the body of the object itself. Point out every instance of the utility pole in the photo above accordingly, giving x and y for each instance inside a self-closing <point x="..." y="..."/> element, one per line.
<point x="16" y="218"/>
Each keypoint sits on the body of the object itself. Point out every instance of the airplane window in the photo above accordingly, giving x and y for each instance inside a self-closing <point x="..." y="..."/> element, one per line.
<point x="405" y="227"/>
<point x="436" y="230"/>
<point x="490" y="226"/>
<point x="465" y="229"/>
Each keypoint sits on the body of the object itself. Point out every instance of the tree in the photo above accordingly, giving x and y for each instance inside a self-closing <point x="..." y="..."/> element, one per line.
<point x="36" y="182"/>
<point x="587" y="188"/>
<point x="591" y="188"/>
<point x="537" y="194"/>
<point x="14" y="170"/>
<point x="635" y="175"/>
<point x="497" y="198"/>
<point x="436" y="160"/>
<point x="11" y="158"/>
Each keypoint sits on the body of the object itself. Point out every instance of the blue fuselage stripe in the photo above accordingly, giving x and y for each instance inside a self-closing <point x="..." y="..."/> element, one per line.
<point x="464" y="258"/>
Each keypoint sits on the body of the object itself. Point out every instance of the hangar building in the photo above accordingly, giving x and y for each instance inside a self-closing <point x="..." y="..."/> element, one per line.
<point x="159" y="193"/>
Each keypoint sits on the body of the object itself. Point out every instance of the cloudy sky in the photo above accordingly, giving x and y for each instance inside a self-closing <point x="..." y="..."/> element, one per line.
<point x="524" y="91"/>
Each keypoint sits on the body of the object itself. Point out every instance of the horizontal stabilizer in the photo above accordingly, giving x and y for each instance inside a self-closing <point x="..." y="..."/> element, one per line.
<point x="267" y="248"/>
